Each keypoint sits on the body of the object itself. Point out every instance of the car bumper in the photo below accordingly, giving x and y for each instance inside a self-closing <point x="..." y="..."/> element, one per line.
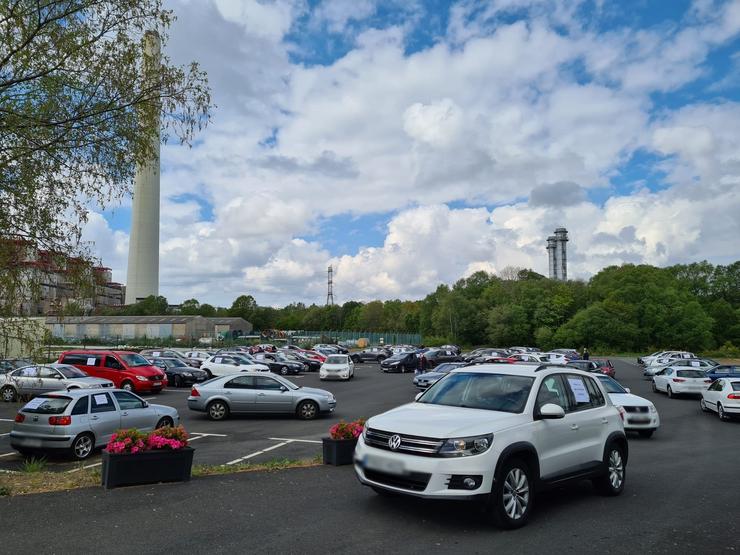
<point x="197" y="403"/>
<point x="425" y="477"/>
<point x="334" y="375"/>
<point x="681" y="389"/>
<point x="39" y="441"/>
<point x="636" y="423"/>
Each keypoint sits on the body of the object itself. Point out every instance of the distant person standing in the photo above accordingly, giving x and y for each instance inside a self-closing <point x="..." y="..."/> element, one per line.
<point x="585" y="354"/>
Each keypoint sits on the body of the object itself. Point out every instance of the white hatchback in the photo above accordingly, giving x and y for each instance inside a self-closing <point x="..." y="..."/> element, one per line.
<point x="640" y="414"/>
<point x="337" y="367"/>
<point x="221" y="365"/>
<point x="674" y="381"/>
<point x="723" y="397"/>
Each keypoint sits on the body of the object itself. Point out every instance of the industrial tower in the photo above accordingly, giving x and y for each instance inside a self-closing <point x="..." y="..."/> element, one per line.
<point x="330" y="287"/>
<point x="142" y="277"/>
<point x="557" y="254"/>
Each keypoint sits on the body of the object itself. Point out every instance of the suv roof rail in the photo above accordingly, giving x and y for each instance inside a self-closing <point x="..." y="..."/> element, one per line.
<point x="546" y="366"/>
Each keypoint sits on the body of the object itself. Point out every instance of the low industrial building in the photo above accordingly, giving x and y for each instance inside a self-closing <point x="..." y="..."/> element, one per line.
<point x="187" y="328"/>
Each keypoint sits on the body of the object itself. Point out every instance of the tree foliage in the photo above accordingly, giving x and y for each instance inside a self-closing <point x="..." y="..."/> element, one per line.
<point x="77" y="114"/>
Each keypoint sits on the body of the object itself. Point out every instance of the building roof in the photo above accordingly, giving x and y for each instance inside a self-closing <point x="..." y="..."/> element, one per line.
<point x="220" y="321"/>
<point x="169" y="319"/>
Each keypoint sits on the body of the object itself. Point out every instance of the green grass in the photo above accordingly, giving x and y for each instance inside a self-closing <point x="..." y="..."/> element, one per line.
<point x="33" y="465"/>
<point x="272" y="465"/>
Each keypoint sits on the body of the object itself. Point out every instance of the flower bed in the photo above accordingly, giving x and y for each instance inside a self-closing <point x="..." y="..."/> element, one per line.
<point x="339" y="447"/>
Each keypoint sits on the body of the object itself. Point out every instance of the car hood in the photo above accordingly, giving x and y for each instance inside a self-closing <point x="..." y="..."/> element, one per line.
<point x="440" y="421"/>
<point x="164" y="410"/>
<point x="314" y="391"/>
<point x="342" y="366"/>
<point x="88" y="381"/>
<point x="147" y="370"/>
<point x="628" y="400"/>
<point x="432" y="375"/>
<point x="248" y="367"/>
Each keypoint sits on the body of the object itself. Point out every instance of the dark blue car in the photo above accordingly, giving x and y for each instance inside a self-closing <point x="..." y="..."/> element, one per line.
<point x="723" y="371"/>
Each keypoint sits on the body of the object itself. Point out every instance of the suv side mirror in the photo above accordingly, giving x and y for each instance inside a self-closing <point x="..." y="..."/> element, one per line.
<point x="416" y="397"/>
<point x="283" y="388"/>
<point x="627" y="389"/>
<point x="551" y="411"/>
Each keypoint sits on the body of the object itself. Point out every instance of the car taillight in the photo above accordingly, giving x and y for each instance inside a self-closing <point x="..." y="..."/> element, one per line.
<point x="734" y="396"/>
<point x="60" y="420"/>
<point x="678" y="380"/>
<point x="621" y="413"/>
<point x="194" y="392"/>
<point x="20" y="417"/>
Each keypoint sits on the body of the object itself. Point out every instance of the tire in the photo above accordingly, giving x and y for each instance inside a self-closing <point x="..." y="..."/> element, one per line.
<point x="307" y="410"/>
<point x="703" y="406"/>
<point x="514" y="497"/>
<point x="284" y="371"/>
<point x="8" y="394"/>
<point x="177" y="381"/>
<point x="646" y="433"/>
<point x="669" y="391"/>
<point x="355" y="359"/>
<point x="655" y="388"/>
<point x="721" y="412"/>
<point x="217" y="410"/>
<point x="82" y="446"/>
<point x="164" y="422"/>
<point x="127" y="386"/>
<point x="612" y="482"/>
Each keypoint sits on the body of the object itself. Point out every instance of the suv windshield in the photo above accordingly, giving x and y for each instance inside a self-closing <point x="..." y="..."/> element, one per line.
<point x="134" y="360"/>
<point x="610" y="385"/>
<point x="499" y="392"/>
<point x="336" y="360"/>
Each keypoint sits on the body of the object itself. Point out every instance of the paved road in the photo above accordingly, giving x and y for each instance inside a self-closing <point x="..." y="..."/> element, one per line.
<point x="681" y="496"/>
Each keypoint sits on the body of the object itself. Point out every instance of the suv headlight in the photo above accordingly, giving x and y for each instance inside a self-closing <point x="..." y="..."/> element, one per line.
<point x="653" y="409"/>
<point x="466" y="446"/>
<point x="141" y="378"/>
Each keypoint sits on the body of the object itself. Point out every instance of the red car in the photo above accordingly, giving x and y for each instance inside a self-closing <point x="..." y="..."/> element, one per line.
<point x="602" y="366"/>
<point x="605" y="366"/>
<point x="127" y="370"/>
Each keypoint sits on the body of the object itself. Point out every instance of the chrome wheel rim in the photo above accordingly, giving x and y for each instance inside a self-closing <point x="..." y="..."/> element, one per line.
<point x="516" y="494"/>
<point x="165" y="423"/>
<point x="8" y="395"/>
<point x="217" y="411"/>
<point x="721" y="411"/>
<point x="284" y="371"/>
<point x="83" y="446"/>
<point x="127" y="387"/>
<point x="308" y="410"/>
<point x="616" y="469"/>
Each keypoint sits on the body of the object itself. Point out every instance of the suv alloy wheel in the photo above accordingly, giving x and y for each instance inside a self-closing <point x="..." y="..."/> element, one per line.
<point x="514" y="495"/>
<point x="612" y="482"/>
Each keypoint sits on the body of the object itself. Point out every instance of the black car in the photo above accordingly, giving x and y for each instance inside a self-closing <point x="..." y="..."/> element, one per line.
<point x="279" y="363"/>
<point x="10" y="364"/>
<point x="312" y="365"/>
<point x="374" y="354"/>
<point x="479" y="353"/>
<point x="178" y="373"/>
<point x="401" y="362"/>
<point x="435" y="357"/>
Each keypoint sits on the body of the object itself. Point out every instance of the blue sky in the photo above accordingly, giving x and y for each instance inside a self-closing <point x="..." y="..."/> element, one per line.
<point x="410" y="143"/>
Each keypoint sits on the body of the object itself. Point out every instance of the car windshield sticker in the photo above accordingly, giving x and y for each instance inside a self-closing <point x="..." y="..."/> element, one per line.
<point x="35" y="403"/>
<point x="156" y="353"/>
<point x="217" y="360"/>
<point x="90" y="361"/>
<point x="695" y="363"/>
<point x="579" y="390"/>
<point x="101" y="399"/>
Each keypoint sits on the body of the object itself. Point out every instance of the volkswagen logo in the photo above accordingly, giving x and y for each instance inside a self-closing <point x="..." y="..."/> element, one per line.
<point x="394" y="442"/>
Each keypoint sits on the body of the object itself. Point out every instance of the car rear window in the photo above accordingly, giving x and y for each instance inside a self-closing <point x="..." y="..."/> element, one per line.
<point x="690" y="374"/>
<point x="735" y="386"/>
<point x="47" y="405"/>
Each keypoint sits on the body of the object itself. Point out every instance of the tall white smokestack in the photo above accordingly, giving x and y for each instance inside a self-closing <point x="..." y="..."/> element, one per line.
<point x="562" y="253"/>
<point x="143" y="249"/>
<point x="551" y="247"/>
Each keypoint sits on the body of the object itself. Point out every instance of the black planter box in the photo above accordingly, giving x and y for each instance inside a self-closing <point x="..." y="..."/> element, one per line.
<point x="149" y="467"/>
<point x="338" y="451"/>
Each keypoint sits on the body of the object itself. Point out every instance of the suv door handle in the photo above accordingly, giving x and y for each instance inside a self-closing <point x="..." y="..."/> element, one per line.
<point x="260" y="395"/>
<point x="93" y="418"/>
<point x="604" y="420"/>
<point x="574" y="426"/>
<point x="124" y="413"/>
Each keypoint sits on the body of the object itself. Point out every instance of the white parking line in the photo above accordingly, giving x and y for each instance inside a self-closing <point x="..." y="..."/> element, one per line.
<point x="7" y="420"/>
<point x="8" y="454"/>
<point x="235" y="461"/>
<point x="1" y="435"/>
<point x="293" y="440"/>
<point x="84" y="467"/>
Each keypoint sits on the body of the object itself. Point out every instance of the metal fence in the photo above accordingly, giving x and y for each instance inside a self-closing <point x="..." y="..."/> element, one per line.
<point x="352" y="337"/>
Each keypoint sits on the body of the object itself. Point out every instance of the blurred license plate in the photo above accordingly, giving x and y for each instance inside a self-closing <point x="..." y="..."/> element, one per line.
<point x="640" y="420"/>
<point x="33" y="443"/>
<point x="157" y="383"/>
<point x="384" y="465"/>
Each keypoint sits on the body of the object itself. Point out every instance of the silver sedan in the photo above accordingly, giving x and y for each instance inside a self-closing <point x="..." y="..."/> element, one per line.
<point x="45" y="378"/>
<point x="258" y="392"/>
<point x="80" y="420"/>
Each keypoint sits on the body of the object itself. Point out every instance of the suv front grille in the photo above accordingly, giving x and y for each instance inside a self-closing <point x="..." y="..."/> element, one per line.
<point x="636" y="409"/>
<point x="155" y="378"/>
<point x="413" y="445"/>
<point x="415" y="481"/>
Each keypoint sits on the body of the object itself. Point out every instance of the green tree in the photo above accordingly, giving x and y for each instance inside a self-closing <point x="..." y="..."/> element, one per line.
<point x="508" y="325"/>
<point x="190" y="307"/>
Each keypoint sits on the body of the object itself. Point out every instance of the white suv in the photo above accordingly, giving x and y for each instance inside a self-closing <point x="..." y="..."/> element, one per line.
<point x="497" y="433"/>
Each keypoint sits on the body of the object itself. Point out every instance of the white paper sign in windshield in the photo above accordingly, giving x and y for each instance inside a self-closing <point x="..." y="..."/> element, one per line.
<point x="579" y="390"/>
<point x="35" y="403"/>
<point x="101" y="399"/>
<point x="91" y="361"/>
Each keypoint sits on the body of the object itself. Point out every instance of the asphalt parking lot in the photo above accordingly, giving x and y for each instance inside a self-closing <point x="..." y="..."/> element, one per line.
<point x="681" y="495"/>
<point x="255" y="438"/>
